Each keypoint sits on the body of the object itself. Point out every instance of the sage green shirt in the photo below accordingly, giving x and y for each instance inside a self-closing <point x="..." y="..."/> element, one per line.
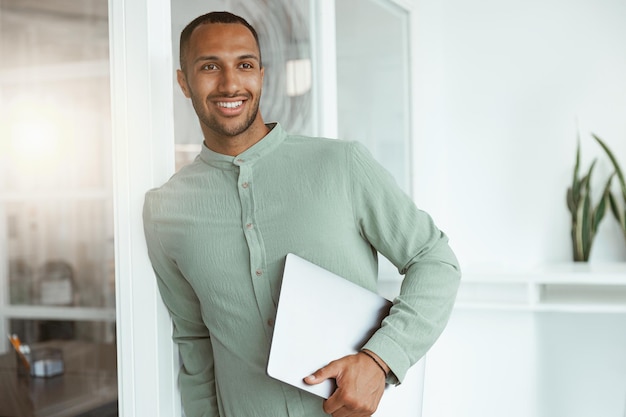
<point x="219" y="230"/>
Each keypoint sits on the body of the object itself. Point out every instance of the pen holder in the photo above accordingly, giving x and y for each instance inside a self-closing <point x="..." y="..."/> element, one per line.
<point x="23" y="364"/>
<point x="46" y="362"/>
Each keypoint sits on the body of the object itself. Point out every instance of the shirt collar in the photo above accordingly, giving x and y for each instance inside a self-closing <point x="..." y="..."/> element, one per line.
<point x="274" y="138"/>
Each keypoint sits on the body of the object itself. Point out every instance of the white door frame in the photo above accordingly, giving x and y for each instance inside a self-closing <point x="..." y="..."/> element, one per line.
<point x="143" y="157"/>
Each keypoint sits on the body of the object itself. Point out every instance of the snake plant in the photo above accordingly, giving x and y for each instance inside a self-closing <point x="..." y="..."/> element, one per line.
<point x="585" y="216"/>
<point x="618" y="212"/>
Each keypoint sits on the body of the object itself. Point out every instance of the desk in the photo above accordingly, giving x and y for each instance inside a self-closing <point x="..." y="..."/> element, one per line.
<point x="88" y="383"/>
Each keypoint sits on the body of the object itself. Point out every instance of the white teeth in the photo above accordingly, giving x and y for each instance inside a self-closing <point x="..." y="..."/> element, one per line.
<point x="230" y="104"/>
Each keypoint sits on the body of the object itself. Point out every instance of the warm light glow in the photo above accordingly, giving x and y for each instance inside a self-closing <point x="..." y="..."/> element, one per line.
<point x="34" y="138"/>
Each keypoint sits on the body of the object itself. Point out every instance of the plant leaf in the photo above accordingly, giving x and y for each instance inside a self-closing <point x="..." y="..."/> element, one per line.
<point x="615" y="209"/>
<point x="599" y="211"/>
<point x="618" y="169"/>
<point x="571" y="204"/>
<point x="577" y="233"/>
<point x="586" y="221"/>
<point x="575" y="181"/>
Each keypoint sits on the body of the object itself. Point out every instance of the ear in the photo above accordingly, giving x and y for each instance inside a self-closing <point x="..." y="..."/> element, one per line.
<point x="182" y="82"/>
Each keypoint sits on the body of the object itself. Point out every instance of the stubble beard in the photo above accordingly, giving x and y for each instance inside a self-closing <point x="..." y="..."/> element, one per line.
<point x="213" y="123"/>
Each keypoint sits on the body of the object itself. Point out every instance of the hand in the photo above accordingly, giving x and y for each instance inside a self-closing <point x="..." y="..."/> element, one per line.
<point x="360" y="385"/>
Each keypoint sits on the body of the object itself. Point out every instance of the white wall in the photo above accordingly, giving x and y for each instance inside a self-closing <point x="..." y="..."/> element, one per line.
<point x="500" y="87"/>
<point x="522" y="364"/>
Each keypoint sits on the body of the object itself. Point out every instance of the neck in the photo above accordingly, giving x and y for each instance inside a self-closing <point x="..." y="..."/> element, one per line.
<point x="235" y="145"/>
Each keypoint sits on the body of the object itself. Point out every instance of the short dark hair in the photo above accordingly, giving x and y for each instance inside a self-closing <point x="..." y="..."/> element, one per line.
<point x="212" y="17"/>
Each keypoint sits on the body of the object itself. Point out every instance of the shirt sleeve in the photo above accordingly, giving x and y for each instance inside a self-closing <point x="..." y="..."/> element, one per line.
<point x="196" y="376"/>
<point x="389" y="220"/>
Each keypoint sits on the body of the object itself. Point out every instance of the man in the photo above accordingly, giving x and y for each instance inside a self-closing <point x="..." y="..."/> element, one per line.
<point x="219" y="230"/>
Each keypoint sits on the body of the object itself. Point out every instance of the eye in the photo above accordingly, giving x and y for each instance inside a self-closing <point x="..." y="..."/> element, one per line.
<point x="246" y="65"/>
<point x="208" y="67"/>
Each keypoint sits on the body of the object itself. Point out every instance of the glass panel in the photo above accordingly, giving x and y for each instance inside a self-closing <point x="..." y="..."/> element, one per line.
<point x="373" y="101"/>
<point x="55" y="187"/>
<point x="373" y="80"/>
<point x="63" y="242"/>
<point x="284" y="34"/>
<point x="56" y="220"/>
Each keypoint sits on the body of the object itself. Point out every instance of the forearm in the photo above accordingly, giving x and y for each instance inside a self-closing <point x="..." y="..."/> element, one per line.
<point x="378" y="361"/>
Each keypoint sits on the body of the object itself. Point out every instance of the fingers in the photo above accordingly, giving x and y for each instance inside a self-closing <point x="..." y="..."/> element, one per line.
<point x="360" y="385"/>
<point x="327" y="372"/>
<point x="344" y="403"/>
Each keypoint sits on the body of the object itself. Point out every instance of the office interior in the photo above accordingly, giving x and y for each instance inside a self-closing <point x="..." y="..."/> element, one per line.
<point x="476" y="108"/>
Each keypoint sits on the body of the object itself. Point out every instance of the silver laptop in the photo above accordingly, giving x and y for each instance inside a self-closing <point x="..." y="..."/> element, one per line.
<point x="321" y="317"/>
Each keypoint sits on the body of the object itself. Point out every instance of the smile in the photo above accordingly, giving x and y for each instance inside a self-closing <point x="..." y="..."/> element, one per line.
<point x="230" y="104"/>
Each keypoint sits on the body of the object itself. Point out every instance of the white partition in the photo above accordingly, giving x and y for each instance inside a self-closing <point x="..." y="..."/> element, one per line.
<point x="143" y="158"/>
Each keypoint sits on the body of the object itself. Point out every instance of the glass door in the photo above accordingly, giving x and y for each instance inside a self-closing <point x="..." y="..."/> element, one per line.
<point x="57" y="279"/>
<point x="373" y="85"/>
<point x="373" y="80"/>
<point x="373" y="59"/>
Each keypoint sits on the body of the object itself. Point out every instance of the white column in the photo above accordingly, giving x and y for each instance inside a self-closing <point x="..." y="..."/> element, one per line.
<point x="4" y="282"/>
<point x="143" y="154"/>
<point x="325" y="66"/>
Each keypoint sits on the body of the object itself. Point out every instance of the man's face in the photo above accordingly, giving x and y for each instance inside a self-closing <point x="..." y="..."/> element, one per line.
<point x="223" y="77"/>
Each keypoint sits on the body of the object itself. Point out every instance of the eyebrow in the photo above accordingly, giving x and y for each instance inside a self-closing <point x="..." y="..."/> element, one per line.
<point x="217" y="58"/>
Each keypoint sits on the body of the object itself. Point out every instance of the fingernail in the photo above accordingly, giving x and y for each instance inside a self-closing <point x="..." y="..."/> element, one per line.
<point x="310" y="378"/>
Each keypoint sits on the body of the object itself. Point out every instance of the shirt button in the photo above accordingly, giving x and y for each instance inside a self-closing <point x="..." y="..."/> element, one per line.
<point x="245" y="185"/>
<point x="270" y="322"/>
<point x="258" y="272"/>
<point x="241" y="161"/>
<point x="249" y="226"/>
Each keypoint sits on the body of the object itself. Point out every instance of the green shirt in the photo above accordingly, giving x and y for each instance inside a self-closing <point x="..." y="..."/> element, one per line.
<point x="219" y="230"/>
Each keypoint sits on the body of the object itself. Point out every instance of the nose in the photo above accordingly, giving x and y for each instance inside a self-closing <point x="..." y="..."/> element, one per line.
<point x="229" y="82"/>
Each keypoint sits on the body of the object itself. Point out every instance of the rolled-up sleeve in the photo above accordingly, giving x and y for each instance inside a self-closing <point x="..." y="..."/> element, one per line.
<point x="409" y="238"/>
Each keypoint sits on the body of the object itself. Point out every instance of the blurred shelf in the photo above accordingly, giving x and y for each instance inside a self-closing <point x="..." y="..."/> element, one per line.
<point x="35" y="312"/>
<point x="567" y="287"/>
<point x="56" y="194"/>
<point x="63" y="71"/>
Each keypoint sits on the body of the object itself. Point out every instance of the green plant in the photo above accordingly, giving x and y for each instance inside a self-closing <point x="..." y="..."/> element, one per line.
<point x="585" y="217"/>
<point x="618" y="212"/>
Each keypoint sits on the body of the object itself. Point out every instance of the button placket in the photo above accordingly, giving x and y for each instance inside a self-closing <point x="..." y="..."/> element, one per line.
<point x="260" y="282"/>
<point x="247" y="206"/>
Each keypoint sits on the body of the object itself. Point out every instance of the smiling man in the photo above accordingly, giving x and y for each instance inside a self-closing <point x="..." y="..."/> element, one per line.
<point x="219" y="230"/>
<point x="221" y="72"/>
